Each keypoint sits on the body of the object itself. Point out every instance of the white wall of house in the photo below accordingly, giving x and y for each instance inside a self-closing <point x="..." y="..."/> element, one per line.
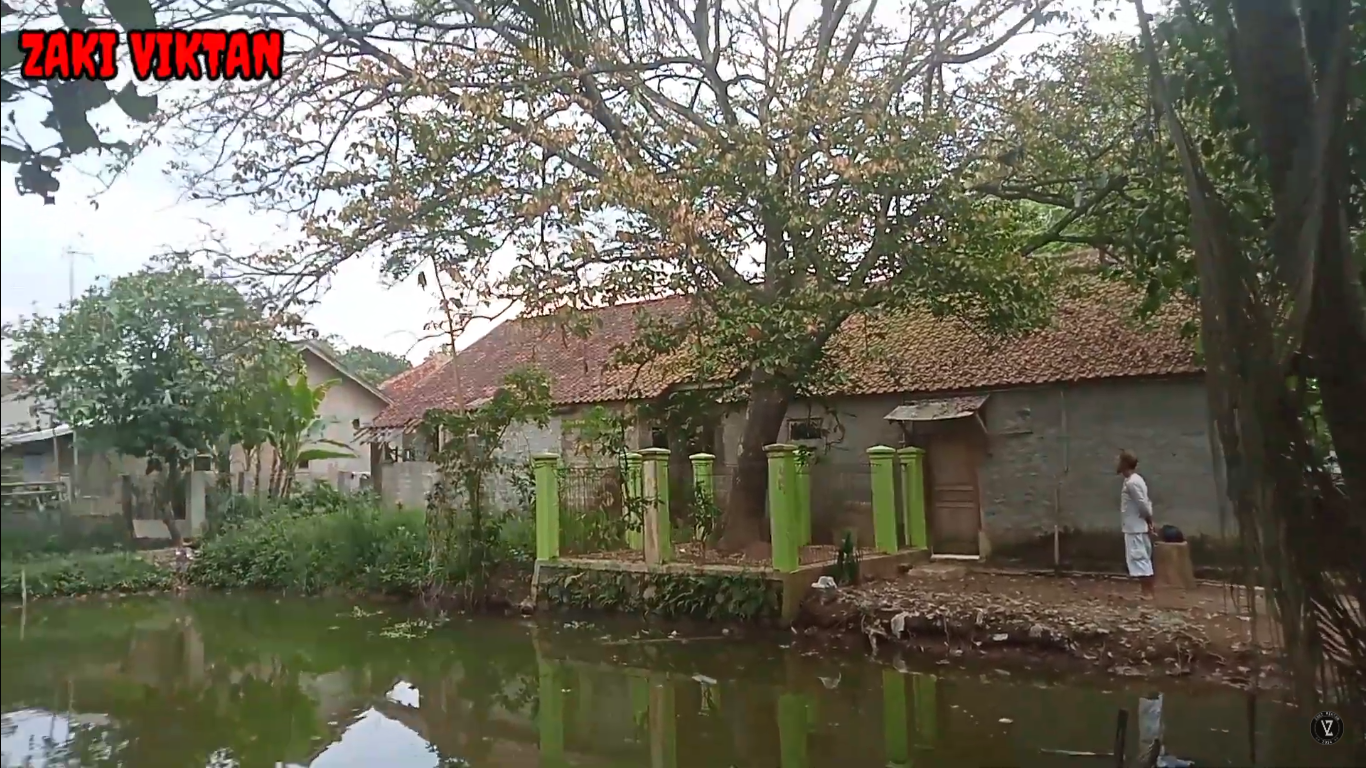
<point x="347" y="406"/>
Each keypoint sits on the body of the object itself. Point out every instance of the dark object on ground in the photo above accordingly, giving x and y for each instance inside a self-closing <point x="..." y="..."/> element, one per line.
<point x="1171" y="534"/>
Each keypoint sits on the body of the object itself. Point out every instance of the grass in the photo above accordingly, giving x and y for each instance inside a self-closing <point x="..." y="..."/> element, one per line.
<point x="70" y="575"/>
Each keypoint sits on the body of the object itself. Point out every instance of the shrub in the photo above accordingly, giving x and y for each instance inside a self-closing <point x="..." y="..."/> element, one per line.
<point x="69" y="575"/>
<point x="230" y="510"/>
<point x="356" y="547"/>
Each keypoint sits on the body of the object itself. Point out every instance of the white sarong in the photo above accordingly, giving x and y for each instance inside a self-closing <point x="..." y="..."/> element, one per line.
<point x="1138" y="554"/>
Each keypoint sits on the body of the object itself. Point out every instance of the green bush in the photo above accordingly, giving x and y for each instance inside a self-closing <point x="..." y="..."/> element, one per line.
<point x="83" y="574"/>
<point x="356" y="547"/>
<point x="229" y="511"/>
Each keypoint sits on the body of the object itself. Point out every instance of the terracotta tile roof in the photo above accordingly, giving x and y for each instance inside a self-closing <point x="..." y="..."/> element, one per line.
<point x="401" y="383"/>
<point x="1093" y="336"/>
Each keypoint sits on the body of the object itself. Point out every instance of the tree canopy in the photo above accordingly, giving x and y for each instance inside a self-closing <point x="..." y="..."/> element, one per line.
<point x="372" y="366"/>
<point x="785" y="171"/>
<point x="151" y="364"/>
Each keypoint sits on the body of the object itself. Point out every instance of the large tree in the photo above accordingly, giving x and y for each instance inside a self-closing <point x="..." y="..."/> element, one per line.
<point x="151" y="365"/>
<point x="785" y="166"/>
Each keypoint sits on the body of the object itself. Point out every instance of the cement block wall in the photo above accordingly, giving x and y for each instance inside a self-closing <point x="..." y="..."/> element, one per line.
<point x="1044" y="468"/>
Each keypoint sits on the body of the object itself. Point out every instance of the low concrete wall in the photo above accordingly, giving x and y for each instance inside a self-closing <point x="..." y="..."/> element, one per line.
<point x="687" y="590"/>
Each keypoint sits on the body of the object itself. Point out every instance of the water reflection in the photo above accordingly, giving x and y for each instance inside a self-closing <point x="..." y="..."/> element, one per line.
<point x="247" y="682"/>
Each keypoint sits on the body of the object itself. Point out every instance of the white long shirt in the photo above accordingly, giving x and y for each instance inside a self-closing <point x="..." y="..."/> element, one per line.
<point x="1135" y="509"/>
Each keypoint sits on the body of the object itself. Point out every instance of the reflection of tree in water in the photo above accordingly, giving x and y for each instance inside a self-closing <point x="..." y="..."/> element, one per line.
<point x="224" y="683"/>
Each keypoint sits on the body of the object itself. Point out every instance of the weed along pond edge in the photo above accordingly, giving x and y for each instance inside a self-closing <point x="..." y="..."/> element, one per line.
<point x="971" y="614"/>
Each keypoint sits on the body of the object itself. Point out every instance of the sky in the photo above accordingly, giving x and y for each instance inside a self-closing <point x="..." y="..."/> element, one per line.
<point x="93" y="233"/>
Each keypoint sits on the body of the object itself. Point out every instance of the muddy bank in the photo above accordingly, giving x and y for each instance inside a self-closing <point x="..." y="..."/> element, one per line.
<point x="1101" y="624"/>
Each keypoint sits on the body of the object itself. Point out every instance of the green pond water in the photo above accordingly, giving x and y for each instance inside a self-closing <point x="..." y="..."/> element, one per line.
<point x="257" y="681"/>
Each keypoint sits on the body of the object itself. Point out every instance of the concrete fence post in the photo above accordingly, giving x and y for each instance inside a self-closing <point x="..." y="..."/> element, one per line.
<point x="881" y="462"/>
<point x="547" y="475"/>
<point x="912" y="462"/>
<point x="781" y="506"/>
<point x="658" y="530"/>
<point x="804" y="461"/>
<point x="196" y="505"/>
<point x="704" y="483"/>
<point x="635" y="500"/>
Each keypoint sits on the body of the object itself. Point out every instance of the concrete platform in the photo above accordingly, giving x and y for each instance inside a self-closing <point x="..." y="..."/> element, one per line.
<point x="793" y="586"/>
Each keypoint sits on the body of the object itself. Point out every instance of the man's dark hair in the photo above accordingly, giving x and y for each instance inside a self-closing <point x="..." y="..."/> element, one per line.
<point x="1127" y="460"/>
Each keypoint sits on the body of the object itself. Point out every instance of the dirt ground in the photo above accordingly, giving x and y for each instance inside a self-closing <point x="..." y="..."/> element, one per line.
<point x="1104" y="622"/>
<point x="759" y="556"/>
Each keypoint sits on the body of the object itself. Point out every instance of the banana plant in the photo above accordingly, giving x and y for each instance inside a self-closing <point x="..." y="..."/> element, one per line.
<point x="296" y="430"/>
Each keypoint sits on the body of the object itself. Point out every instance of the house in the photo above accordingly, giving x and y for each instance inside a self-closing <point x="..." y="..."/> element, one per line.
<point x="348" y="407"/>
<point x="35" y="449"/>
<point x="1021" y="435"/>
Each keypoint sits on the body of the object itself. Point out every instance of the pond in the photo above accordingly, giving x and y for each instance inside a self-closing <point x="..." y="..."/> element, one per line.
<point x="257" y="681"/>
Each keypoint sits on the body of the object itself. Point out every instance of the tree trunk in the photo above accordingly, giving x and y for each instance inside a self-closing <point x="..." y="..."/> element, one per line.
<point x="743" y="522"/>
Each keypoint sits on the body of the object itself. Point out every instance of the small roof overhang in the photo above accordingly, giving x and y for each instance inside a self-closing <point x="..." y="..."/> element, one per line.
<point x="21" y="438"/>
<point x="939" y="409"/>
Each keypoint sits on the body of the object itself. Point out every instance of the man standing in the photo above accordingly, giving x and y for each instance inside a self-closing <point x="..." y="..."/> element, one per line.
<point x="1136" y="517"/>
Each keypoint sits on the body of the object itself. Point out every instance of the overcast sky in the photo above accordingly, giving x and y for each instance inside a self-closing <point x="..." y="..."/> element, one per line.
<point x="143" y="214"/>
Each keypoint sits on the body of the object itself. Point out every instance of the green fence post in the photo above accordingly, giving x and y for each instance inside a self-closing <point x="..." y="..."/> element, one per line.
<point x="782" y="529"/>
<point x="658" y="530"/>
<point x="913" y="493"/>
<point x="635" y="500"/>
<point x="880" y="458"/>
<point x="704" y="482"/>
<point x="803" y="496"/>
<point x="547" y="477"/>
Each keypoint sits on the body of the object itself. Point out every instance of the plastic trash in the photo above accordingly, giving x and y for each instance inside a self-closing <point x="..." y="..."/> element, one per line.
<point x="824" y="582"/>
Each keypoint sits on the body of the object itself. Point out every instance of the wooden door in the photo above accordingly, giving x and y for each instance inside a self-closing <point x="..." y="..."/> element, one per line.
<point x="955" y="506"/>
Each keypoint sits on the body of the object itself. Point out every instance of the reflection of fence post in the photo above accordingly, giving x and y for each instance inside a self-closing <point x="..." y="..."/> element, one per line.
<point x="803" y="493"/>
<point x="792" y="727"/>
<point x="912" y="462"/>
<point x="635" y="499"/>
<point x="923" y="692"/>
<point x="663" y="724"/>
<point x="880" y="459"/>
<point x="782" y="528"/>
<point x="547" y="478"/>
<point x="657" y="528"/>
<point x="551" y="714"/>
<point x="704" y="483"/>
<point x="894" y="720"/>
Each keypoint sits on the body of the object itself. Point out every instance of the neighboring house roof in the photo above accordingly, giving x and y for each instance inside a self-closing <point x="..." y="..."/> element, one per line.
<point x="400" y="383"/>
<point x="1092" y="336"/>
<point x="33" y="436"/>
<point x="321" y="352"/>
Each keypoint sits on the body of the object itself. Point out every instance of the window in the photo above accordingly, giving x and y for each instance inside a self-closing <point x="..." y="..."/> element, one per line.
<point x="805" y="429"/>
<point x="659" y="438"/>
<point x="302" y="464"/>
